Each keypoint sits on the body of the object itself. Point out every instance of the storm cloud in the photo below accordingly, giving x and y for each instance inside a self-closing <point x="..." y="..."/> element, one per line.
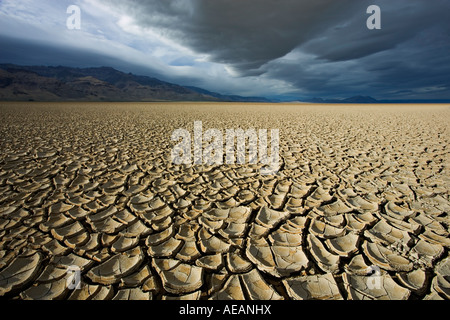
<point x="242" y="34"/>
<point x="295" y="48"/>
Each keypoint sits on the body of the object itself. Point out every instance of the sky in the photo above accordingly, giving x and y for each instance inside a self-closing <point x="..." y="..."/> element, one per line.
<point x="289" y="49"/>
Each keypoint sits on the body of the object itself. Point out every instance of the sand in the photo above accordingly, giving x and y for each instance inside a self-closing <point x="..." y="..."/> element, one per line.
<point x="359" y="208"/>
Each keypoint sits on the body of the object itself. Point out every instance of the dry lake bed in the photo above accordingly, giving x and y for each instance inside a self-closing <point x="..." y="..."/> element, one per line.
<point x="93" y="207"/>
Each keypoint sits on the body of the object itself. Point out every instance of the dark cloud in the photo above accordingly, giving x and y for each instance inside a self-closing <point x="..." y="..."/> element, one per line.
<point x="248" y="34"/>
<point x="252" y="36"/>
<point x="402" y="20"/>
<point x="243" y="34"/>
<point x="303" y="48"/>
<point x="411" y="70"/>
<point x="29" y="52"/>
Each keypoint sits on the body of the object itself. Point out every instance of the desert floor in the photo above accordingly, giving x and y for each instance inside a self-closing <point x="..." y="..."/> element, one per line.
<point x="358" y="210"/>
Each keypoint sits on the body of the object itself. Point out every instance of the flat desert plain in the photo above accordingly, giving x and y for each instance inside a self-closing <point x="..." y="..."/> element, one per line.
<point x="92" y="207"/>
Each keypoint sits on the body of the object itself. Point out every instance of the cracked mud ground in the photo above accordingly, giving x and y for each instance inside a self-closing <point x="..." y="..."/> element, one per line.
<point x="92" y="186"/>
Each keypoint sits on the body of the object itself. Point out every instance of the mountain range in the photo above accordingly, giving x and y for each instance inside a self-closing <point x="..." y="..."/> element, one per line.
<point x="356" y="99"/>
<point x="42" y="83"/>
<point x="45" y="83"/>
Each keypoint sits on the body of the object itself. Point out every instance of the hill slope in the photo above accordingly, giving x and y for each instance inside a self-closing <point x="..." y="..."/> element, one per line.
<point x="40" y="83"/>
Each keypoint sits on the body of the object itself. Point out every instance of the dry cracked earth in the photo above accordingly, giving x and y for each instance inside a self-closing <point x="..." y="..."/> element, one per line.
<point x="92" y="186"/>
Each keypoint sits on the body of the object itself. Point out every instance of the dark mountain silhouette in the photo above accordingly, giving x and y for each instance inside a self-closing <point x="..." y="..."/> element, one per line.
<point x="357" y="99"/>
<point x="229" y="98"/>
<point x="41" y="83"/>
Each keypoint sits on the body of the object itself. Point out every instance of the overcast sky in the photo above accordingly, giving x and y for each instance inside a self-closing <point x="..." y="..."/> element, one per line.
<point x="296" y="48"/>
